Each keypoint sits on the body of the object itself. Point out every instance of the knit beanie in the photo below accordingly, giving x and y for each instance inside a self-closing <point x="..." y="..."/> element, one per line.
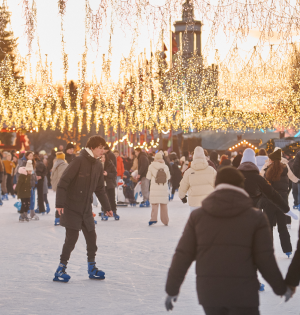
<point x="29" y="166"/>
<point x="70" y="146"/>
<point x="230" y="175"/>
<point x="198" y="153"/>
<point x="60" y="155"/>
<point x="158" y="156"/>
<point x="249" y="156"/>
<point x="42" y="152"/>
<point x="276" y="155"/>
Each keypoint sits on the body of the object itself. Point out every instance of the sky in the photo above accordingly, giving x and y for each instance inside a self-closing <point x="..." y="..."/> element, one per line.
<point x="49" y="35"/>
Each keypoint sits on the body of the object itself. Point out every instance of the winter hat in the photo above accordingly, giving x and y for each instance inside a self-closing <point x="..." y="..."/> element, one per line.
<point x="60" y="155"/>
<point x="249" y="156"/>
<point x="29" y="166"/>
<point x="158" y="156"/>
<point x="276" y="155"/>
<point x="198" y="153"/>
<point x="42" y="152"/>
<point x="70" y="146"/>
<point x="230" y="175"/>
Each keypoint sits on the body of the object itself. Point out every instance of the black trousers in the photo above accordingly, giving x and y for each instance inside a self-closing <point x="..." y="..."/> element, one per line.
<point x="9" y="185"/>
<point x="295" y="193"/>
<point x="71" y="240"/>
<point x="111" y="194"/>
<point x="273" y="213"/>
<point x="25" y="205"/>
<point x="40" y="195"/>
<point x="231" y="310"/>
<point x="46" y="199"/>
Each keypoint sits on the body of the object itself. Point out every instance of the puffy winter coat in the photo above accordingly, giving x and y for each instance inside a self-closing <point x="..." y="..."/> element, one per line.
<point x="176" y="175"/>
<point x="23" y="187"/>
<point x="159" y="193"/>
<point x="293" y="275"/>
<point x="82" y="177"/>
<point x="256" y="186"/>
<point x="111" y="177"/>
<point x="229" y="240"/>
<point x="198" y="181"/>
<point x="120" y="167"/>
<point x="143" y="164"/>
<point x="59" y="167"/>
<point x="260" y="161"/>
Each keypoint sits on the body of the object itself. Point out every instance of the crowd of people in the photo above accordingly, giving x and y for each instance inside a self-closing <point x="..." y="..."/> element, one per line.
<point x="234" y="200"/>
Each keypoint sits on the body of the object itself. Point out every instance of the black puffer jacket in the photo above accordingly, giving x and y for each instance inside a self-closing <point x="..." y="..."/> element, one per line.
<point x="69" y="157"/>
<point x="112" y="157"/>
<point x="176" y="175"/>
<point x="143" y="164"/>
<point x="293" y="275"/>
<point x="40" y="168"/>
<point x="229" y="240"/>
<point x="256" y="186"/>
<point x="82" y="177"/>
<point x="111" y="178"/>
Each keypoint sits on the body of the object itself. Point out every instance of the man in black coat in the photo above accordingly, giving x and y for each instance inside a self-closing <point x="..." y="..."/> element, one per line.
<point x="110" y="155"/>
<point x="230" y="240"/>
<point x="143" y="164"/>
<point x="74" y="197"/>
<point x="41" y="172"/>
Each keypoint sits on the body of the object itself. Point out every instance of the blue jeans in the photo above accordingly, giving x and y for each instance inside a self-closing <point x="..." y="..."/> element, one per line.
<point x="32" y="198"/>
<point x="118" y="178"/>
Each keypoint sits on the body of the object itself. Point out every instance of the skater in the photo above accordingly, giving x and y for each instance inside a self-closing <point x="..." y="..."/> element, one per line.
<point x="73" y="203"/>
<point x="198" y="181"/>
<point x="41" y="172"/>
<point x="176" y="175"/>
<point x="69" y="155"/>
<point x="23" y="189"/>
<point x="158" y="173"/>
<point x="59" y="166"/>
<point x="277" y="174"/>
<point x="110" y="155"/>
<point x="110" y="176"/>
<point x="230" y="240"/>
<point x="143" y="164"/>
<point x="120" y="166"/>
<point x="128" y="188"/>
<point x="9" y="169"/>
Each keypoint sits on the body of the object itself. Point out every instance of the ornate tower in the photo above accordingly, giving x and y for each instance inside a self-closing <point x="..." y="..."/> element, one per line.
<point x="188" y="32"/>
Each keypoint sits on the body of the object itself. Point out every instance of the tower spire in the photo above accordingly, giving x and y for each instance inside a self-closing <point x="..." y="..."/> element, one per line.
<point x="187" y="10"/>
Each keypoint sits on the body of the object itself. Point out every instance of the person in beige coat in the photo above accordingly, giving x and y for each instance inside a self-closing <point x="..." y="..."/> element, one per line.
<point x="198" y="181"/>
<point x="59" y="166"/>
<point x="159" y="174"/>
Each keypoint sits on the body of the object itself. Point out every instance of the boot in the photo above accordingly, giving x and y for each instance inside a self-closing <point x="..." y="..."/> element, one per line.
<point x="33" y="215"/>
<point x="60" y="274"/>
<point x="57" y="221"/>
<point x="94" y="272"/>
<point x="47" y="208"/>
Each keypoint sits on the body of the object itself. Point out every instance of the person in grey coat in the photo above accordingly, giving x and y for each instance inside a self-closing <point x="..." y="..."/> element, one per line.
<point x="74" y="196"/>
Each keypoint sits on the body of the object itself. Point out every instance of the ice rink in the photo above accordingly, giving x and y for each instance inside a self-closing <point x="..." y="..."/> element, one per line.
<point x="134" y="256"/>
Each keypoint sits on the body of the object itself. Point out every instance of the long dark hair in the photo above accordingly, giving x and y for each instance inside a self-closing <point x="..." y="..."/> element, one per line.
<point x="274" y="171"/>
<point x="33" y="160"/>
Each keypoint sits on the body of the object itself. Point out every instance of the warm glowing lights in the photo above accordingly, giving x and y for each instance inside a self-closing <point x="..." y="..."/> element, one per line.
<point x="243" y="143"/>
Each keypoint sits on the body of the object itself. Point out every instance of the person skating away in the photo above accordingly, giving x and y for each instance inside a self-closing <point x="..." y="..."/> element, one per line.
<point x="23" y="190"/>
<point x="198" y="181"/>
<point x="59" y="166"/>
<point x="120" y="166"/>
<point x="110" y="177"/>
<point x="143" y="164"/>
<point x="9" y="166"/>
<point x="230" y="240"/>
<point x="128" y="188"/>
<point x="159" y="174"/>
<point x="176" y="175"/>
<point x="276" y="174"/>
<point x="74" y="195"/>
<point x="41" y="172"/>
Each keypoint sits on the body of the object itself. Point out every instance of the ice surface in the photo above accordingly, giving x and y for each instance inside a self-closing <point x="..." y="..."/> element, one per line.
<point x="134" y="256"/>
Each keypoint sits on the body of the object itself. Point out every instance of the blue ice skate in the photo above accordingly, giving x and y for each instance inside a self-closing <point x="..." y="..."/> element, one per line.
<point x="295" y="206"/>
<point x="171" y="197"/>
<point x="103" y="216"/>
<point x="57" y="221"/>
<point x="95" y="221"/>
<point x="1" y="202"/>
<point x="117" y="217"/>
<point x="145" y="204"/>
<point x="60" y="274"/>
<point x="152" y="222"/>
<point x="6" y="197"/>
<point x="288" y="254"/>
<point x="18" y="205"/>
<point x="14" y="196"/>
<point x="47" y="208"/>
<point x="262" y="287"/>
<point x="37" y="210"/>
<point x="94" y="272"/>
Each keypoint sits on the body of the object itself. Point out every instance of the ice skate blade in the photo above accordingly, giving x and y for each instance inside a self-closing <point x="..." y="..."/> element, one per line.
<point x="96" y="278"/>
<point x="60" y="280"/>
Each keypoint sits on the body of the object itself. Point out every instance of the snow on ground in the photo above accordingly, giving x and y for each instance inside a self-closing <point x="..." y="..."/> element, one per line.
<point x="134" y="256"/>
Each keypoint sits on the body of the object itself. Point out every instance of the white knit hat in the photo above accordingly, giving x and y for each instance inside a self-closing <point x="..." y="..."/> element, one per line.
<point x="29" y="166"/>
<point x="249" y="156"/>
<point x="158" y="156"/>
<point x="199" y="153"/>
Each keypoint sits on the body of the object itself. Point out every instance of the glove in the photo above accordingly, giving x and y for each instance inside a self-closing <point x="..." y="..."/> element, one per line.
<point x="289" y="293"/>
<point x="184" y="200"/>
<point x="169" y="300"/>
<point x="292" y="214"/>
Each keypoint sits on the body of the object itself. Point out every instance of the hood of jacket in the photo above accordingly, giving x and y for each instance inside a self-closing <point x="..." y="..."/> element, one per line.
<point x="57" y="163"/>
<point x="199" y="164"/>
<point x="22" y="170"/>
<point x="87" y="153"/>
<point x="157" y="164"/>
<point x="261" y="160"/>
<point x="227" y="201"/>
<point x="248" y="166"/>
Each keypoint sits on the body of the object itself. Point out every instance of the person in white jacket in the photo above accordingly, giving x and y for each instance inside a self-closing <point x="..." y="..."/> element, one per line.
<point x="261" y="158"/>
<point x="198" y="181"/>
<point x="159" y="174"/>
